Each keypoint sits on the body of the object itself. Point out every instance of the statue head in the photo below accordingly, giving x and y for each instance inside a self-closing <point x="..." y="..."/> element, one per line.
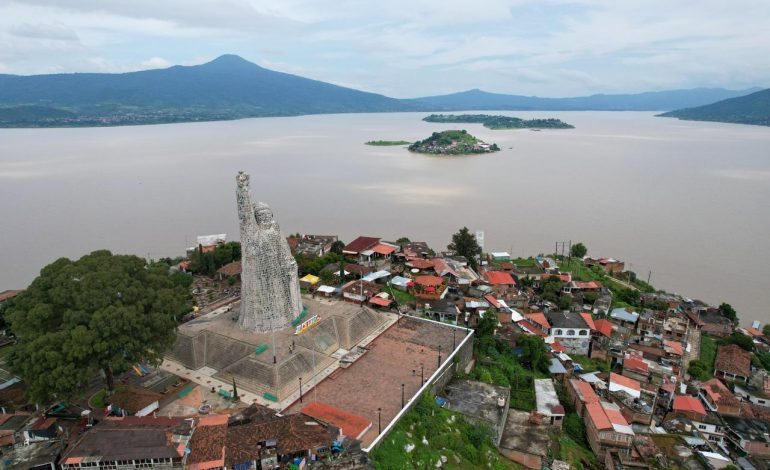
<point x="242" y="179"/>
<point x="263" y="214"/>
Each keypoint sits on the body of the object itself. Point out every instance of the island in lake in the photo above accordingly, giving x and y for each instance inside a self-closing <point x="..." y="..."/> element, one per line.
<point x="452" y="143"/>
<point x="387" y="142"/>
<point x="500" y="122"/>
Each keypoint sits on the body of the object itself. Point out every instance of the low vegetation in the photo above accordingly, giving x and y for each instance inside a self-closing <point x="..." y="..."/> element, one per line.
<point x="454" y="142"/>
<point x="387" y="142"/>
<point x="499" y="122"/>
<point x="429" y="433"/>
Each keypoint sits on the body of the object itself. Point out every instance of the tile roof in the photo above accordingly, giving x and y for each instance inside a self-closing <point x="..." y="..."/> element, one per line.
<point x="718" y="392"/>
<point x="688" y="403"/>
<point x="624" y="381"/>
<point x="530" y="328"/>
<point x="734" y="359"/>
<point x="597" y="416"/>
<point x="538" y="318"/>
<point x="429" y="280"/>
<point x="293" y="433"/>
<point x="7" y="294"/>
<point x="384" y="249"/>
<point x="360" y="244"/>
<point x="380" y="301"/>
<point x="230" y="269"/>
<point x="133" y="399"/>
<point x="352" y="425"/>
<point x="604" y="327"/>
<point x="207" y="445"/>
<point x="497" y="278"/>
<point x="421" y="263"/>
<point x="589" y="320"/>
<point x="585" y="391"/>
<point x="636" y="365"/>
<point x="586" y="285"/>
<point x="674" y="347"/>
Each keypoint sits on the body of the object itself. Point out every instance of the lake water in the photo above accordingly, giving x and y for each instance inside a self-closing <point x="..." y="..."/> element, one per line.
<point x="688" y="201"/>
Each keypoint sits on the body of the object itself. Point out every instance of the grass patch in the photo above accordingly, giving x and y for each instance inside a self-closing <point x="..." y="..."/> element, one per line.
<point x="401" y="297"/>
<point x="463" y="444"/>
<point x="591" y="365"/>
<point x="578" y="456"/>
<point x="524" y="262"/>
<point x="97" y="400"/>
<point x="708" y="351"/>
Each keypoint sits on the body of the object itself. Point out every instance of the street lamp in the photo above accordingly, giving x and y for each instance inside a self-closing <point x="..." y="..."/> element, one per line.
<point x="454" y="332"/>
<point x="402" y="396"/>
<point x="439" y="356"/>
<point x="422" y="375"/>
<point x="379" y="421"/>
<point x="300" y="389"/>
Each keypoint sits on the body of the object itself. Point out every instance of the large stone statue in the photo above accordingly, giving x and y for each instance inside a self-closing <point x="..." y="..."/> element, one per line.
<point x="270" y="297"/>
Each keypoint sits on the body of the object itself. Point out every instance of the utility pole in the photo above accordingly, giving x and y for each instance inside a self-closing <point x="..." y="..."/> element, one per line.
<point x="402" y="396"/>
<point x="649" y="275"/>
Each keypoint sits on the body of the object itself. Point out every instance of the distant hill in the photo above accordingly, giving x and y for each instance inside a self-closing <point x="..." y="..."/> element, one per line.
<point x="228" y="87"/>
<point x="650" y="101"/>
<point x="749" y="109"/>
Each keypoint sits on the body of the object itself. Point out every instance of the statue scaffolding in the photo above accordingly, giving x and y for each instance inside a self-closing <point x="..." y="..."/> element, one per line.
<point x="270" y="296"/>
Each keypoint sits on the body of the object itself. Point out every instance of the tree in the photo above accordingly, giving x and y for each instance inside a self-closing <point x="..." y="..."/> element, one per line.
<point x="403" y="241"/>
<point x="578" y="250"/>
<point x="534" y="352"/>
<point x="766" y="330"/>
<point x="741" y="340"/>
<point x="464" y="243"/>
<point x="337" y="247"/>
<point x="727" y="311"/>
<point x="102" y="312"/>
<point x="698" y="370"/>
<point x="487" y="325"/>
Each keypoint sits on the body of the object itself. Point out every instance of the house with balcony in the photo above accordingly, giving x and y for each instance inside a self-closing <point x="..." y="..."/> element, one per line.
<point x="718" y="398"/>
<point x="732" y="363"/>
<point x="571" y="330"/>
<point x="607" y="429"/>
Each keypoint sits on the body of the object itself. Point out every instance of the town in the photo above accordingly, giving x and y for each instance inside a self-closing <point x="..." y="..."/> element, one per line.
<point x="310" y="352"/>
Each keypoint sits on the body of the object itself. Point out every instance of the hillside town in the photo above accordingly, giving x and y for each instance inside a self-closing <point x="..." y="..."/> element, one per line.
<point x="557" y="361"/>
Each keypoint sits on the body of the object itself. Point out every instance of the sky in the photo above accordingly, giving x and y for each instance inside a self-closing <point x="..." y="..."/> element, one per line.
<point x="409" y="48"/>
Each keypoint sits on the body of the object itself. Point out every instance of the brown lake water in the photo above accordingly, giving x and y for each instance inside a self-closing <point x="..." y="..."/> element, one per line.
<point x="689" y="201"/>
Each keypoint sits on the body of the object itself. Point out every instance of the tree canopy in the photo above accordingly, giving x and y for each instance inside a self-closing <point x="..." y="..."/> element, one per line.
<point x="534" y="352"/>
<point x="741" y="340"/>
<point x="578" y="250"/>
<point x="727" y="311"/>
<point x="464" y="243"/>
<point x="102" y="312"/>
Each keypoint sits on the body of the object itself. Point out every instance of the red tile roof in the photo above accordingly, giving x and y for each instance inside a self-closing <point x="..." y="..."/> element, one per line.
<point x="230" y="269"/>
<point x="207" y="446"/>
<point x="615" y="416"/>
<point x="421" y="263"/>
<point x="7" y="294"/>
<point x="674" y="347"/>
<point x="531" y="328"/>
<point x="604" y="327"/>
<point x="558" y="347"/>
<point x="539" y="318"/>
<point x="383" y="249"/>
<point x="497" y="278"/>
<point x="585" y="391"/>
<point x="492" y="300"/>
<point x="688" y="403"/>
<point x="587" y="285"/>
<point x="429" y="280"/>
<point x="589" y="319"/>
<point x="734" y="359"/>
<point x="380" y="301"/>
<point x="636" y="364"/>
<point x="625" y="381"/>
<point x="360" y="244"/>
<point x="597" y="415"/>
<point x="352" y="425"/>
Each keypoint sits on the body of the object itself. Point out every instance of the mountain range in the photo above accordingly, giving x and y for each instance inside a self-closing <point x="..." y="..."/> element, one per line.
<point x="231" y="87"/>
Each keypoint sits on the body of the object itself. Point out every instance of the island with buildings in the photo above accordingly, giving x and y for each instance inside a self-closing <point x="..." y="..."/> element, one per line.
<point x="499" y="122"/>
<point x="309" y="352"/>
<point x="453" y="142"/>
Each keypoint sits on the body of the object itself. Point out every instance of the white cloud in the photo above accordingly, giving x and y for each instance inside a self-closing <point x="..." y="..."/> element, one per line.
<point x="155" y="63"/>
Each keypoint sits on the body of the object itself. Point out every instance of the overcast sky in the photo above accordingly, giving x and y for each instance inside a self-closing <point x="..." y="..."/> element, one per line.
<point x="408" y="48"/>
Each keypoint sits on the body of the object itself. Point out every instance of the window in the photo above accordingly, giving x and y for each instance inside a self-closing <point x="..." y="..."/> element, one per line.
<point x="701" y="426"/>
<point x="570" y="332"/>
<point x="582" y="332"/>
<point x="557" y="332"/>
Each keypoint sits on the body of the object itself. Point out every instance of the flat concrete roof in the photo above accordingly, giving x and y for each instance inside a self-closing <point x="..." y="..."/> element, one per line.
<point x="547" y="400"/>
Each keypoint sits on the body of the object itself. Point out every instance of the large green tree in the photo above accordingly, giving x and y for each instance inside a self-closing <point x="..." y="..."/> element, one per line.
<point x="727" y="311"/>
<point x="464" y="243"/>
<point x="578" y="250"/>
<point x="102" y="312"/>
<point x="534" y="352"/>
